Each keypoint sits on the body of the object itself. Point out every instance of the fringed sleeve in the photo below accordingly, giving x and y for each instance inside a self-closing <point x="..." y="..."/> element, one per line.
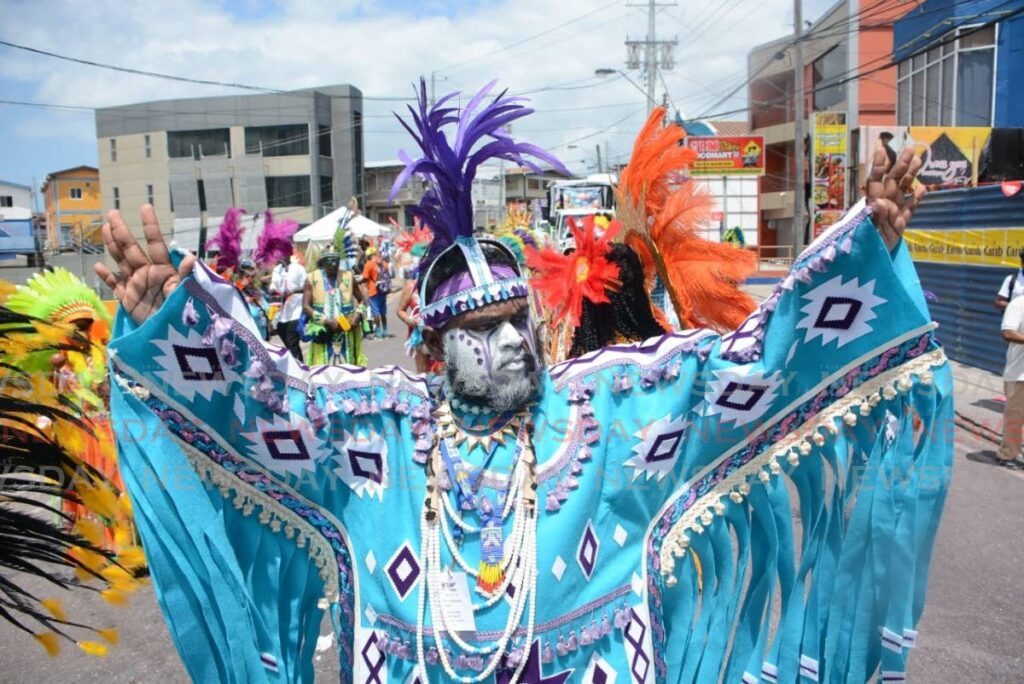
<point x="792" y="471"/>
<point x="229" y="452"/>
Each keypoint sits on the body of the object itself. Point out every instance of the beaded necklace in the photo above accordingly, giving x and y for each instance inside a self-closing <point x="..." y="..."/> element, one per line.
<point x="502" y="563"/>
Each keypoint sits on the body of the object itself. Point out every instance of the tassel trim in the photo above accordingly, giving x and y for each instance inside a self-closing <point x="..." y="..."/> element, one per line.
<point x="798" y="444"/>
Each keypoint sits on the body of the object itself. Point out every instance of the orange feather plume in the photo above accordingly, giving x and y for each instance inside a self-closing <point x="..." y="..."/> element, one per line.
<point x="663" y="211"/>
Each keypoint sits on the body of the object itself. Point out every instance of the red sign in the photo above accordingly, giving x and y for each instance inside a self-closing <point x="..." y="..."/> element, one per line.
<point x="727" y="155"/>
<point x="1010" y="188"/>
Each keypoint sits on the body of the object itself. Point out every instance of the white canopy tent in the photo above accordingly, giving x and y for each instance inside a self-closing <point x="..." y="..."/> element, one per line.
<point x="321" y="231"/>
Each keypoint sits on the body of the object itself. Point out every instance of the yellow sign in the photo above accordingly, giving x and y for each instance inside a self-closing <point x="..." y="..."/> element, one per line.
<point x="997" y="247"/>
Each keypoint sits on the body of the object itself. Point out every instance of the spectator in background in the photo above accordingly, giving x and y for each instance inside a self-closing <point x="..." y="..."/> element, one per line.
<point x="1013" y="286"/>
<point x="1013" y="380"/>
<point x="289" y="280"/>
<point x="378" y="299"/>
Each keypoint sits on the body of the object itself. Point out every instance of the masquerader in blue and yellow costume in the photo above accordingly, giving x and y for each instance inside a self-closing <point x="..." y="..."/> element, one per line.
<point x="514" y="523"/>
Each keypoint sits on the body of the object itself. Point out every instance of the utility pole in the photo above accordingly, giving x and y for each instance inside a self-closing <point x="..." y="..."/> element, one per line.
<point x="433" y="87"/>
<point x="657" y="53"/>
<point x="600" y="167"/>
<point x="799" y="198"/>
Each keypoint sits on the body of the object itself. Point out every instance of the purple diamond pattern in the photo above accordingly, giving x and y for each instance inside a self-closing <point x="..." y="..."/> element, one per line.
<point x="366" y="464"/>
<point x="664" y="446"/>
<point x="296" y="450"/>
<point x="740" y="396"/>
<point x="586" y="554"/>
<point x="403" y="570"/>
<point x="600" y="676"/>
<point x="634" y="634"/>
<point x="374" y="659"/>
<point x="185" y="355"/>
<point x="838" y="313"/>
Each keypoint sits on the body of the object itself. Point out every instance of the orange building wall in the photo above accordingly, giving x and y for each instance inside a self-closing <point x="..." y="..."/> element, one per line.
<point x="82" y="215"/>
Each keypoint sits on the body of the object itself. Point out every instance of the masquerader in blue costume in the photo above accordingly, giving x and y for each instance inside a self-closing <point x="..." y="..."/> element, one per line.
<point x="625" y="516"/>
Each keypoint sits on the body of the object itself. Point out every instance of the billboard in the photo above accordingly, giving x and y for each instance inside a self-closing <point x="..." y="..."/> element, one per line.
<point x="828" y="176"/>
<point x="727" y="155"/>
<point x="997" y="247"/>
<point x="951" y="154"/>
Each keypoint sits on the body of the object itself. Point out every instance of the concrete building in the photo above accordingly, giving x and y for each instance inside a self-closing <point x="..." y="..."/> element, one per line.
<point x="15" y="201"/>
<point x="73" y="208"/>
<point x="845" y="56"/>
<point x="298" y="153"/>
<point x="523" y="186"/>
<point x="379" y="178"/>
<point x="735" y="197"/>
<point x="949" y="74"/>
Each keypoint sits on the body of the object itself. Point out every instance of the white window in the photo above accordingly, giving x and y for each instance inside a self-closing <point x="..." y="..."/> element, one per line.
<point x="149" y="194"/>
<point x="951" y="84"/>
<point x="113" y="149"/>
<point x="6" y="200"/>
<point x="117" y="198"/>
<point x="145" y="145"/>
<point x="75" y="193"/>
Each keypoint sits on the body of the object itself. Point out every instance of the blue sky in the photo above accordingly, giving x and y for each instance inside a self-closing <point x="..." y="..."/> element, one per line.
<point x="380" y="47"/>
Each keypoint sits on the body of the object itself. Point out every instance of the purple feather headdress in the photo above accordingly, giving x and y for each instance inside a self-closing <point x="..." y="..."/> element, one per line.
<point x="228" y="240"/>
<point x="275" y="242"/>
<point x="449" y="168"/>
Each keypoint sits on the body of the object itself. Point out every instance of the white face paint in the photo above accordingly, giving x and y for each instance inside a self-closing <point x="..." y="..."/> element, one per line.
<point x="495" y="366"/>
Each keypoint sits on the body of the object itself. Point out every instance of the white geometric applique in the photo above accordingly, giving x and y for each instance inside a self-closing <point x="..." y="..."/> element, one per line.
<point x="743" y="337"/>
<point x="558" y="568"/>
<point x="403" y="571"/>
<point x="363" y="464"/>
<point x="741" y="394"/>
<point x="636" y="583"/>
<point x="371" y="662"/>
<point x="371" y="614"/>
<point x="190" y="367"/>
<point x="636" y="638"/>
<point x="620" y="535"/>
<point x="371" y="562"/>
<point x="659" y="447"/>
<point x="839" y="311"/>
<point x="599" y="671"/>
<point x="286" y="444"/>
<point x="586" y="551"/>
<point x="414" y="678"/>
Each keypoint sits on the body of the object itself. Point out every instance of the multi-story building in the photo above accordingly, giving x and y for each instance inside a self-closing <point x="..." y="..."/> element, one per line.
<point x="297" y="153"/>
<point x="524" y="186"/>
<point x="959" y="63"/>
<point x="735" y="197"/>
<point x="848" y="68"/>
<point x="73" y="208"/>
<point x="379" y="178"/>
<point x="15" y="201"/>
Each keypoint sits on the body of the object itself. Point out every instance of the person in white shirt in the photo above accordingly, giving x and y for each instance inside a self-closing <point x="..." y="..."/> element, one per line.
<point x="1013" y="379"/>
<point x="1013" y="286"/>
<point x="290" y="281"/>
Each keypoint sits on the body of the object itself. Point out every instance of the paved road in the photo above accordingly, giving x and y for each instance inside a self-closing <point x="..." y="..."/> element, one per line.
<point x="970" y="631"/>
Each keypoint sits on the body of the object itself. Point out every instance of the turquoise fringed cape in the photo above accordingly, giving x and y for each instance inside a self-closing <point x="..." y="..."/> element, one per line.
<point x="760" y="505"/>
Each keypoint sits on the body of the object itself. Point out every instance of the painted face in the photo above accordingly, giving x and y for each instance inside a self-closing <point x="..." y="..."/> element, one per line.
<point x="491" y="356"/>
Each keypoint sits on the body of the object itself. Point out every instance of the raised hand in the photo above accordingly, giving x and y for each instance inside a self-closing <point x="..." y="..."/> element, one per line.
<point x="145" y="278"/>
<point x="891" y="195"/>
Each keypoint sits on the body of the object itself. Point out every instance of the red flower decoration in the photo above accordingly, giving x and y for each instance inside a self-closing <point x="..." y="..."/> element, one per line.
<point x="564" y="280"/>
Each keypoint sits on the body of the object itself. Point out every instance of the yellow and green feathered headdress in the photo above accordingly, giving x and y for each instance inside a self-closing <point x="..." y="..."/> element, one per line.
<point x="60" y="297"/>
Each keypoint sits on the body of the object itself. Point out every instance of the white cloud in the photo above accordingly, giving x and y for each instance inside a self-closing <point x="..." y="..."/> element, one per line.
<point x="383" y="52"/>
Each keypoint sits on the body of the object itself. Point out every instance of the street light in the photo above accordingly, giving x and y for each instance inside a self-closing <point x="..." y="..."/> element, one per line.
<point x="611" y="72"/>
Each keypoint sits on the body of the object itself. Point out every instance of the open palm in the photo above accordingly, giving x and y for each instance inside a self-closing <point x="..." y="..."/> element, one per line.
<point x="146" y="277"/>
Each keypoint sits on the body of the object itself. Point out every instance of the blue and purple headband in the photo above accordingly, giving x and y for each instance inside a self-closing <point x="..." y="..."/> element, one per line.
<point x="447" y="206"/>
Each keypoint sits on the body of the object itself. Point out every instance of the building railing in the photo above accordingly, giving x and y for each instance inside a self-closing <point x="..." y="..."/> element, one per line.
<point x="774" y="257"/>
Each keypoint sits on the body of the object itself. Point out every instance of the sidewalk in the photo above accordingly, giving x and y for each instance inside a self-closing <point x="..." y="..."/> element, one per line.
<point x="978" y="403"/>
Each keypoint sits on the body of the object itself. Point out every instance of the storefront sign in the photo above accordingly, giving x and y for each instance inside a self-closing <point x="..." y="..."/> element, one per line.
<point x="828" y="178"/>
<point x="727" y="155"/>
<point x="997" y="247"/>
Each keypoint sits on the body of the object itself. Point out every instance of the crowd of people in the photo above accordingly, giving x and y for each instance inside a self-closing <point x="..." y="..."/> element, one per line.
<point x="320" y="302"/>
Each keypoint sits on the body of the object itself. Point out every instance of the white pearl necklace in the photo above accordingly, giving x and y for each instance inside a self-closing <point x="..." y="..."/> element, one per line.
<point x="521" y="557"/>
